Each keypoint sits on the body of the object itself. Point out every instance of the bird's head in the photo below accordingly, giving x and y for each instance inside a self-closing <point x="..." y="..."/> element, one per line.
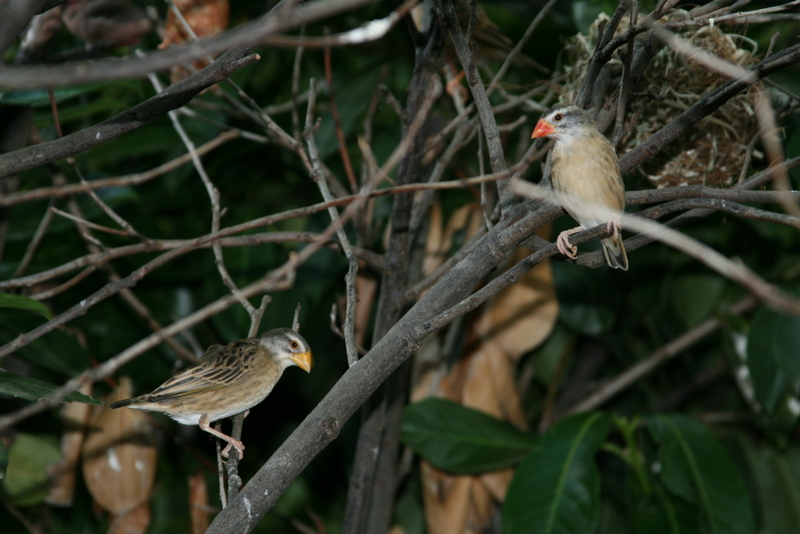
<point x="562" y="122"/>
<point x="288" y="347"/>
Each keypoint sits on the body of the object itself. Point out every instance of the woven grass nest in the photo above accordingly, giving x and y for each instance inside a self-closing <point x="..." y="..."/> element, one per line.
<point x="714" y="152"/>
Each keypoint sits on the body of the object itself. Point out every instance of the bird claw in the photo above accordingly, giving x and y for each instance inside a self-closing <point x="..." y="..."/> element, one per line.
<point x="613" y="227"/>
<point x="238" y="445"/>
<point x="564" y="246"/>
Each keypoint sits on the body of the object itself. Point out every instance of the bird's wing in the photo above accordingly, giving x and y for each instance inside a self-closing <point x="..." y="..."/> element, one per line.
<point x="219" y="367"/>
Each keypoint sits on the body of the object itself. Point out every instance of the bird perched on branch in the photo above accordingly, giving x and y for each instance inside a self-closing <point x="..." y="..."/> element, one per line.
<point x="106" y="22"/>
<point x="491" y="43"/>
<point x="585" y="172"/>
<point x="226" y="381"/>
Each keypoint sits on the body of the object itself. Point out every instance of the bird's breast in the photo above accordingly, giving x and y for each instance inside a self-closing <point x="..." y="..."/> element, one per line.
<point x="586" y="169"/>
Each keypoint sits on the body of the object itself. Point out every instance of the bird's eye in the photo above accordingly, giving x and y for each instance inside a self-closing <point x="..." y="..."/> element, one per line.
<point x="558" y="117"/>
<point x="295" y="344"/>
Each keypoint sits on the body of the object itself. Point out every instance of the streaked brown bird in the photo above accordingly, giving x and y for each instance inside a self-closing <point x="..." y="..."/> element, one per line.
<point x="492" y="44"/>
<point x="106" y="22"/>
<point x="584" y="168"/>
<point x="226" y="381"/>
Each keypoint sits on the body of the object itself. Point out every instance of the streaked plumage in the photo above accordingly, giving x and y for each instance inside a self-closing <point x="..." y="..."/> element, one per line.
<point x="227" y="380"/>
<point x="106" y="22"/>
<point x="492" y="45"/>
<point x="584" y="167"/>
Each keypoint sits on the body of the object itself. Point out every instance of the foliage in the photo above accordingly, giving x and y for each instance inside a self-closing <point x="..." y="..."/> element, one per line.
<point x="704" y="441"/>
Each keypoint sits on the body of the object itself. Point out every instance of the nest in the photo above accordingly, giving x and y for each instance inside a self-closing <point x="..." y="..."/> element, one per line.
<point x="714" y="152"/>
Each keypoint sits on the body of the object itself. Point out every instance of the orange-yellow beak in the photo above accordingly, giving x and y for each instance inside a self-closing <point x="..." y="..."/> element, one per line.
<point x="304" y="361"/>
<point x="543" y="129"/>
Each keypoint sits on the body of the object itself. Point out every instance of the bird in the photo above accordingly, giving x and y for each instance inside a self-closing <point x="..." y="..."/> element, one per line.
<point x="584" y="169"/>
<point x="492" y="44"/>
<point x="106" y="22"/>
<point x="228" y="380"/>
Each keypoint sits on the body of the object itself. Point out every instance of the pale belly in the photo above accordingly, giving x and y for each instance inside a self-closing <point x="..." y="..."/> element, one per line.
<point x="579" y="181"/>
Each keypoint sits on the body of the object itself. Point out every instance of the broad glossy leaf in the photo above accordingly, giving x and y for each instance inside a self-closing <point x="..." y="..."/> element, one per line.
<point x="461" y="440"/>
<point x="31" y="389"/>
<point x="58" y="351"/>
<point x="20" y="302"/>
<point x="41" y="97"/>
<point x="663" y="512"/>
<point x="3" y="460"/>
<point x="776" y="472"/>
<point x="556" y="489"/>
<point x="772" y="348"/>
<point x="694" y="466"/>
<point x="586" y="299"/>
<point x="26" y="478"/>
<point x="694" y="296"/>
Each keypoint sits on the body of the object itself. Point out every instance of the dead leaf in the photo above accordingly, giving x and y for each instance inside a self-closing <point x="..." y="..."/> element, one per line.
<point x="119" y="458"/>
<point x="514" y="322"/>
<point x="454" y="504"/>
<point x="496" y="482"/>
<point x="63" y="474"/>
<point x="134" y="522"/>
<point x="198" y="503"/>
<point x="204" y="17"/>
<point x="106" y="22"/>
<point x="366" y="289"/>
<point x="490" y="385"/>
<point x="521" y="316"/>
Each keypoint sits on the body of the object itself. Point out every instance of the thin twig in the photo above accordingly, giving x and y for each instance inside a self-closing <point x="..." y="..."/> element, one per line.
<point x="127" y="180"/>
<point x="36" y="240"/>
<point x="518" y="47"/>
<point x="737" y="272"/>
<point x="213" y="194"/>
<point x="496" y="156"/>
<point x="337" y="123"/>
<point x="352" y="271"/>
<point x="659" y="356"/>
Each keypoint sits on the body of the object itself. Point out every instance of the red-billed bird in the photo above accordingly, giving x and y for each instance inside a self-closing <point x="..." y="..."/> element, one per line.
<point x="585" y="172"/>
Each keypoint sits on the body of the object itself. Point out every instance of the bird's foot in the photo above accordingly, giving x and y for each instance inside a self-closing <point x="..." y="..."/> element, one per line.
<point x="235" y="443"/>
<point x="613" y="227"/>
<point x="564" y="246"/>
<point x="205" y="425"/>
<point x="454" y="85"/>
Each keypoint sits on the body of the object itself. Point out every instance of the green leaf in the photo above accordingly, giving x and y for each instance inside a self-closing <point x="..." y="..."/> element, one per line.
<point x="695" y="466"/>
<point x="41" y="97"/>
<point x="3" y="460"/>
<point x="664" y="513"/>
<point x="587" y="297"/>
<point x="26" y="478"/>
<point x="58" y="351"/>
<point x="772" y="348"/>
<point x="695" y="296"/>
<point x="24" y="303"/>
<point x="556" y="489"/>
<point x="31" y="389"/>
<point x="776" y="476"/>
<point x="462" y="440"/>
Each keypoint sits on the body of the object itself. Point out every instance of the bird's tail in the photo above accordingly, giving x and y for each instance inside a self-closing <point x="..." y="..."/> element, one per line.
<point x="122" y="403"/>
<point x="614" y="250"/>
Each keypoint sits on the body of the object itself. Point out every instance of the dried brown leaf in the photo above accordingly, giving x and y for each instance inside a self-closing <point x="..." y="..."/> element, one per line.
<point x="490" y="385"/>
<point x="134" y="522"/>
<point x="205" y="17"/>
<point x="465" y="220"/>
<point x="74" y="415"/>
<point x="119" y="458"/>
<point x="198" y="503"/>
<point x="366" y="289"/>
<point x="521" y="316"/>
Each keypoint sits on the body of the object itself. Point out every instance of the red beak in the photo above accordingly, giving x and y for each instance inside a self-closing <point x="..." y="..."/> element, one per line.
<point x="543" y="129"/>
